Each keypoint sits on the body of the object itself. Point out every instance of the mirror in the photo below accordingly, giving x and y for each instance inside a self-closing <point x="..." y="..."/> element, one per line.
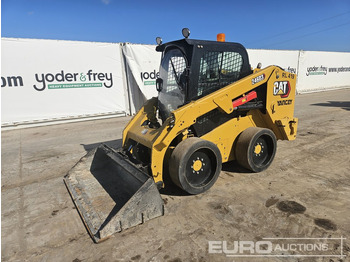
<point x="186" y="32"/>
<point x="159" y="40"/>
<point x="159" y="84"/>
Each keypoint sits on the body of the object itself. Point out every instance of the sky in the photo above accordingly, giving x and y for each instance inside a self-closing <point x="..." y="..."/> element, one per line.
<point x="290" y="25"/>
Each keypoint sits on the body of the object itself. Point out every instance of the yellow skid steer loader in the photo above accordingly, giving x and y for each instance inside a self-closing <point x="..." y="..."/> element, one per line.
<point x="211" y="108"/>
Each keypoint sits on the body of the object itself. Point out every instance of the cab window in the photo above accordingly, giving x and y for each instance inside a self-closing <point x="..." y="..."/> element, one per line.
<point x="218" y="69"/>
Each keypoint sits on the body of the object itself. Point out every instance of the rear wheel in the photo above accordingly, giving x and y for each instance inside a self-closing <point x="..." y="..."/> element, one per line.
<point x="195" y="165"/>
<point x="256" y="148"/>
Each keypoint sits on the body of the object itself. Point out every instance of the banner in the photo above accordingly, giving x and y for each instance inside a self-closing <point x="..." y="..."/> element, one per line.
<point x="286" y="59"/>
<point x="323" y="70"/>
<point x="142" y="65"/>
<point x="43" y="80"/>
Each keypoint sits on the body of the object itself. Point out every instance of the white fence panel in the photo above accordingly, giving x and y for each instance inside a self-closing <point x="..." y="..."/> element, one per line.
<point x="287" y="59"/>
<point x="323" y="70"/>
<point x="43" y="80"/>
<point x="142" y="65"/>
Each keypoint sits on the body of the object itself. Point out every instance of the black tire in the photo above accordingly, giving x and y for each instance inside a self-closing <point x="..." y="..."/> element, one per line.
<point x="256" y="148"/>
<point x="195" y="165"/>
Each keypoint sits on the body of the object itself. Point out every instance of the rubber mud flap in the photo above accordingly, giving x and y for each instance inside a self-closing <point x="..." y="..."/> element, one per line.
<point x="111" y="193"/>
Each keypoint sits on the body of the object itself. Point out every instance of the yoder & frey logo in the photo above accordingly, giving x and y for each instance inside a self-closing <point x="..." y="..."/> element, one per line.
<point x="76" y="80"/>
<point x="314" y="70"/>
<point x="149" y="78"/>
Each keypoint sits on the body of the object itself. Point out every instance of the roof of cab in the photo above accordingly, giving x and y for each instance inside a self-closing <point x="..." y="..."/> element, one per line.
<point x="188" y="42"/>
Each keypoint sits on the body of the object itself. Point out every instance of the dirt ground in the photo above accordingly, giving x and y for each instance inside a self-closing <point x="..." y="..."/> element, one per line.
<point x="304" y="194"/>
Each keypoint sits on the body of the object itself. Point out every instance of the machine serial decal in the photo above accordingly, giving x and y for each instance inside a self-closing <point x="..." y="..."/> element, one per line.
<point x="281" y="88"/>
<point x="258" y="79"/>
<point x="284" y="102"/>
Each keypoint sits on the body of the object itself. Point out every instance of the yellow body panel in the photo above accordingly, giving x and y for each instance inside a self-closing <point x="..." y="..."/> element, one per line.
<point x="280" y="99"/>
<point x="280" y="106"/>
<point x="225" y="135"/>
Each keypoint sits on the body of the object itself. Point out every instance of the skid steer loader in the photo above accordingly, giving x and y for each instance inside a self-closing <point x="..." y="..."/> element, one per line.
<point x="211" y="108"/>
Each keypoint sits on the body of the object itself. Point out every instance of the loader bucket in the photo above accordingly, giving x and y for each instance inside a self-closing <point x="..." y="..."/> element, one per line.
<point x="111" y="193"/>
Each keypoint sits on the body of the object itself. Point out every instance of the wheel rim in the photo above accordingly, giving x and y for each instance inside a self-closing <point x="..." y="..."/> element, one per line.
<point x="262" y="151"/>
<point x="200" y="168"/>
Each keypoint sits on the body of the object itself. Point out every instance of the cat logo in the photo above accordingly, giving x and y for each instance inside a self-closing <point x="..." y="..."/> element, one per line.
<point x="281" y="88"/>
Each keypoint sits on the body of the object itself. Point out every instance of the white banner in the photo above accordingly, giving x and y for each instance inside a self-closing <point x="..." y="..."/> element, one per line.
<point x="287" y="59"/>
<point x="43" y="80"/>
<point x="47" y="80"/>
<point x="142" y="65"/>
<point x="323" y="70"/>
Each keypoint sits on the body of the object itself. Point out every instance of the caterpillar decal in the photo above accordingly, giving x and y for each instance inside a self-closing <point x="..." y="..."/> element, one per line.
<point x="281" y="88"/>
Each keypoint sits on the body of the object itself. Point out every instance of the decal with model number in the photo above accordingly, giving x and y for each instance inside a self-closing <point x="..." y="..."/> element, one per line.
<point x="258" y="79"/>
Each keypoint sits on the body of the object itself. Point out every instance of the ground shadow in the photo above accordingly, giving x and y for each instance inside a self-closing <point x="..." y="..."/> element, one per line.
<point x="170" y="189"/>
<point x="234" y="167"/>
<point x="115" y="144"/>
<point x="343" y="104"/>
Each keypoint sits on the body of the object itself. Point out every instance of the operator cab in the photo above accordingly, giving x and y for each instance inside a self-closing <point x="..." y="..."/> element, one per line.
<point x="191" y="69"/>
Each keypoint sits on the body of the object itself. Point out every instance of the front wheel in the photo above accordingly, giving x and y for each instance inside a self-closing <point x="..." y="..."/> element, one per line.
<point x="195" y="165"/>
<point x="256" y="148"/>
